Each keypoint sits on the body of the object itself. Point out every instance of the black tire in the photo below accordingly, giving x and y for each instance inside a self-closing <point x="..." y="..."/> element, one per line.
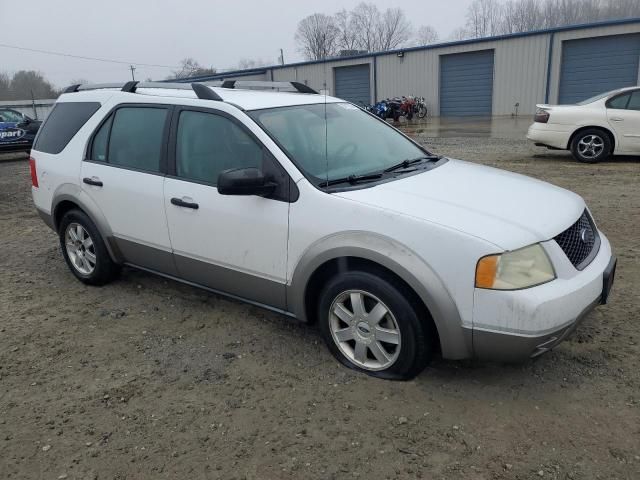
<point x="600" y="149"/>
<point x="422" y="111"/>
<point x="416" y="333"/>
<point x="105" y="269"/>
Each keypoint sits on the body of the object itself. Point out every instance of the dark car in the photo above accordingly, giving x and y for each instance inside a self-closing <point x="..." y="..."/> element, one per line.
<point x="17" y="130"/>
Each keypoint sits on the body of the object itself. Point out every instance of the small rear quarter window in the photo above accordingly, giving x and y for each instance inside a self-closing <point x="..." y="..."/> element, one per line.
<point x="62" y="124"/>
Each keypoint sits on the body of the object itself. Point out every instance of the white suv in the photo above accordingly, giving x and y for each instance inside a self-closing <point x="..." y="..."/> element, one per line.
<point x="309" y="206"/>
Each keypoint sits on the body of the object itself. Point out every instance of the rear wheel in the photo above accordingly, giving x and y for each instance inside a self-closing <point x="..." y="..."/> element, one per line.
<point x="370" y="326"/>
<point x="591" y="146"/>
<point x="84" y="250"/>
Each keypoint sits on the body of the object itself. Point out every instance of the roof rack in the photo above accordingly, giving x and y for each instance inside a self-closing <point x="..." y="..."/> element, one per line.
<point x="201" y="89"/>
<point x="299" y="87"/>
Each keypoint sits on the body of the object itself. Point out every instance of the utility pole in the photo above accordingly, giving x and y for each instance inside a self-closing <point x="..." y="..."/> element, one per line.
<point x="281" y="57"/>
<point x="133" y="69"/>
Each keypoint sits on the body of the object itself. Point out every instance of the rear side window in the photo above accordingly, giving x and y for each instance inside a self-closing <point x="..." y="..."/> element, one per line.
<point x="634" y="103"/>
<point x="62" y="124"/>
<point x="132" y="137"/>
<point x="620" y="102"/>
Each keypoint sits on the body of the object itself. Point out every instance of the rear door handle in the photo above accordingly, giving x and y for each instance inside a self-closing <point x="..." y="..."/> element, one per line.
<point x="178" y="202"/>
<point x="95" y="181"/>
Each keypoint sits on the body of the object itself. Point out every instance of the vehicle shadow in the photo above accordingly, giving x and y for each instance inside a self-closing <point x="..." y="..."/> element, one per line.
<point x="566" y="156"/>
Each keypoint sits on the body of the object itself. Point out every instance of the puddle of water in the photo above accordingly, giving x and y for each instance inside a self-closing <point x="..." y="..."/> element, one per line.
<point x="495" y="127"/>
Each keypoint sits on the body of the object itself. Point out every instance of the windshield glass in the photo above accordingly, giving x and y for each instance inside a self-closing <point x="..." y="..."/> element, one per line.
<point x="596" y="98"/>
<point x="350" y="142"/>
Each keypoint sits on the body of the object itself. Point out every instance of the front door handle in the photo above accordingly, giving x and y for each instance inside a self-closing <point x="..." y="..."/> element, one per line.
<point x="95" y="181"/>
<point x="178" y="202"/>
<point x="617" y="119"/>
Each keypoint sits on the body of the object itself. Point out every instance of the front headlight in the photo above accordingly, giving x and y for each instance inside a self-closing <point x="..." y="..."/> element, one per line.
<point x="523" y="268"/>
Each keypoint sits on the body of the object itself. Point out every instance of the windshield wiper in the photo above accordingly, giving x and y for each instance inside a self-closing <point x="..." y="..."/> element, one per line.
<point x="408" y="163"/>
<point x="352" y="179"/>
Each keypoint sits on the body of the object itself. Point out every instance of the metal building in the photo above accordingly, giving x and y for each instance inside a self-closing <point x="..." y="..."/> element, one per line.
<point x="487" y="76"/>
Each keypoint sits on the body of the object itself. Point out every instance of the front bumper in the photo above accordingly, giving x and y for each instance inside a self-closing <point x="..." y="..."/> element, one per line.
<point x="516" y="325"/>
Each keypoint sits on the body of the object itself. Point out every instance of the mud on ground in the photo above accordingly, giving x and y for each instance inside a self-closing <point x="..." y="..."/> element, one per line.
<point x="147" y="378"/>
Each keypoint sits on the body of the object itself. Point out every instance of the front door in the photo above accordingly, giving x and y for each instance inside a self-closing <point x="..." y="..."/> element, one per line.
<point x="124" y="176"/>
<point x="623" y="113"/>
<point x="234" y="244"/>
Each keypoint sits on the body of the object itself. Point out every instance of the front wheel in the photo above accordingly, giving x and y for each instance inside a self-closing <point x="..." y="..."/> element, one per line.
<point x="422" y="111"/>
<point x="591" y="146"/>
<point x="370" y="326"/>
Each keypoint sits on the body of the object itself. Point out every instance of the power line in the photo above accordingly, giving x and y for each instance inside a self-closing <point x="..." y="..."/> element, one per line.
<point x="81" y="57"/>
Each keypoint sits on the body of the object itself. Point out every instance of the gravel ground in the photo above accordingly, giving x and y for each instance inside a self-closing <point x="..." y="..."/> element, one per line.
<point x="147" y="378"/>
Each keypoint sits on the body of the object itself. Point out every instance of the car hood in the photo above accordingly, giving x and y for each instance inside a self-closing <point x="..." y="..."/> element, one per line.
<point x="504" y="208"/>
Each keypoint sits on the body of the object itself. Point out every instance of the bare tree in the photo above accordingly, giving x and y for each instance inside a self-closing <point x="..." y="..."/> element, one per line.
<point x="189" y="67"/>
<point x="426" y="35"/>
<point x="461" y="33"/>
<point x="366" y="18"/>
<point x="317" y="36"/>
<point x="522" y="16"/>
<point x="347" y="31"/>
<point x="26" y="84"/>
<point x="621" y="8"/>
<point x="483" y="18"/>
<point x="249" y="63"/>
<point x="393" y="29"/>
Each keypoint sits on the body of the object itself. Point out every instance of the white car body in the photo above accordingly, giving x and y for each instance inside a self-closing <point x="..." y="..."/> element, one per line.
<point x="430" y="229"/>
<point x="566" y="121"/>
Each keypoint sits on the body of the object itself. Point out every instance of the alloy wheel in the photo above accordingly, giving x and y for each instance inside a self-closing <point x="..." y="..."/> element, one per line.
<point x="80" y="249"/>
<point x="591" y="146"/>
<point x="365" y="330"/>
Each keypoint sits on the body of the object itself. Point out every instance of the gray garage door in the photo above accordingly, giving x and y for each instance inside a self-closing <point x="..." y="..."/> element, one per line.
<point x="596" y="65"/>
<point x="466" y="84"/>
<point x="353" y="84"/>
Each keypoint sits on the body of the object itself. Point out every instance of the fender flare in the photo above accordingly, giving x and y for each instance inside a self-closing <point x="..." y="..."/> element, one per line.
<point x="75" y="194"/>
<point x="399" y="259"/>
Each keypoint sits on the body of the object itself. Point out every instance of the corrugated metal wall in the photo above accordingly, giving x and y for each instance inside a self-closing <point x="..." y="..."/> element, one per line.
<point x="521" y="68"/>
<point x="520" y="73"/>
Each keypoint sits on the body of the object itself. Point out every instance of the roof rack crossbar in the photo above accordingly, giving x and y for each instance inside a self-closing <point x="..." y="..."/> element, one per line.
<point x="299" y="87"/>
<point x="201" y="90"/>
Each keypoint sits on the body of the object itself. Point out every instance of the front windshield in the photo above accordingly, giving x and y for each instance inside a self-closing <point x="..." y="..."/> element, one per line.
<point x="350" y="142"/>
<point x="596" y="98"/>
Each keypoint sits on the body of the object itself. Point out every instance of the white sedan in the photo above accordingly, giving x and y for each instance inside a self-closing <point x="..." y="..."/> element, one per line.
<point x="594" y="129"/>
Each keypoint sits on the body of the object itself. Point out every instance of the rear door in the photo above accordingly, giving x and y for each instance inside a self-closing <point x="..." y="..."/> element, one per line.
<point x="124" y="175"/>
<point x="623" y="113"/>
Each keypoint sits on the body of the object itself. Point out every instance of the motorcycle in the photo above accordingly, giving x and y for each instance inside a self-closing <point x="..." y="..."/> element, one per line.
<point x="420" y="107"/>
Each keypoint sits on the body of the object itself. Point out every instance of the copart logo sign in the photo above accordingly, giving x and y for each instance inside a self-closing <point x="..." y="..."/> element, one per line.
<point x="11" y="134"/>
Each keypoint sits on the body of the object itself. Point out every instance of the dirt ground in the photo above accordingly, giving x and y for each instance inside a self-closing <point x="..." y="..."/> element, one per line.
<point x="147" y="378"/>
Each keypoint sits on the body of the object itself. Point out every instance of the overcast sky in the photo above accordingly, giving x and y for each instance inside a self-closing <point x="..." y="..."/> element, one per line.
<point x="215" y="33"/>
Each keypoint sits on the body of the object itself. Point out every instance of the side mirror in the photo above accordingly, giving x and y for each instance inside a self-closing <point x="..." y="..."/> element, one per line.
<point x="244" y="181"/>
<point x="26" y="120"/>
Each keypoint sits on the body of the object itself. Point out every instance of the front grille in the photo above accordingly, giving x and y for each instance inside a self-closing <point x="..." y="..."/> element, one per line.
<point x="580" y="242"/>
